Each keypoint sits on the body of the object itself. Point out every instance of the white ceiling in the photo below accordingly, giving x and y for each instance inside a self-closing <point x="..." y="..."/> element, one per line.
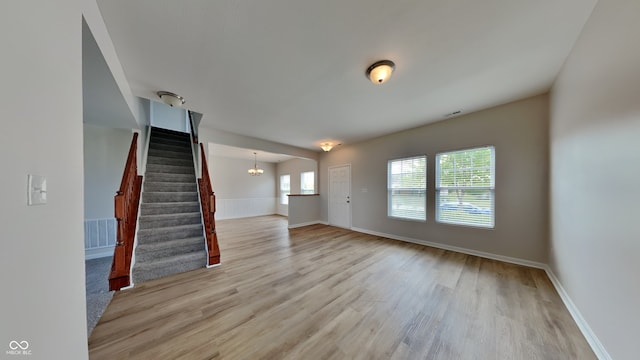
<point x="292" y="71"/>
<point x="247" y="154"/>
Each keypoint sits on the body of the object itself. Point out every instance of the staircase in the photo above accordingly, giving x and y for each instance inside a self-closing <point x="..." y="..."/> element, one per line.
<point x="170" y="232"/>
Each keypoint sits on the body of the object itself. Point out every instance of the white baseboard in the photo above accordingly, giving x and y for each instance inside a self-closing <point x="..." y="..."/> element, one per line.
<point x="293" y="226"/>
<point x="584" y="327"/>
<point x="96" y="253"/>
<point x="507" y="259"/>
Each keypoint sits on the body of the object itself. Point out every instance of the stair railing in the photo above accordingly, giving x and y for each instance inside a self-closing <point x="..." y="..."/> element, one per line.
<point x="194" y="137"/>
<point x="126" y="203"/>
<point x="208" y="204"/>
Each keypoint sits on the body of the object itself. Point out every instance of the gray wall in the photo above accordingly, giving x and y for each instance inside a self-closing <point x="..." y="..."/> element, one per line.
<point x="42" y="257"/>
<point x="239" y="194"/>
<point x="105" y="154"/>
<point x="595" y="170"/>
<point x="167" y="117"/>
<point x="294" y="168"/>
<point x="519" y="132"/>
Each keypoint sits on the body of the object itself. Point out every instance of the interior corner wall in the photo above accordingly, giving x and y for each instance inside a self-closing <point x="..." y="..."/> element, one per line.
<point x="42" y="259"/>
<point x="294" y="168"/>
<point x="238" y="194"/>
<point x="595" y="167"/>
<point x="105" y="155"/>
<point x="519" y="132"/>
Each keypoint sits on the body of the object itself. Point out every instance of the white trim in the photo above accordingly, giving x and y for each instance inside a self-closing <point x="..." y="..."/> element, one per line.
<point x="507" y="259"/>
<point x="212" y="266"/>
<point x="584" y="327"/>
<point x="96" y="253"/>
<point x="293" y="226"/>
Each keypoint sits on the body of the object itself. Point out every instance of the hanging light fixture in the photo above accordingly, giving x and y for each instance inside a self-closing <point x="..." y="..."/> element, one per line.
<point x="326" y="146"/>
<point x="170" y="98"/>
<point x="380" y="71"/>
<point x="254" y="171"/>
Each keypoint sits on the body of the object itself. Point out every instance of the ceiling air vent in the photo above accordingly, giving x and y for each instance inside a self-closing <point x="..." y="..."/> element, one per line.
<point x="457" y="112"/>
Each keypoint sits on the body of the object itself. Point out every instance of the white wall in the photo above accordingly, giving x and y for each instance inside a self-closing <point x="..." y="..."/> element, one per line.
<point x="294" y="168"/>
<point x="595" y="170"/>
<point x="239" y="194"/>
<point x="42" y="257"/>
<point x="167" y="117"/>
<point x="519" y="132"/>
<point x="105" y="155"/>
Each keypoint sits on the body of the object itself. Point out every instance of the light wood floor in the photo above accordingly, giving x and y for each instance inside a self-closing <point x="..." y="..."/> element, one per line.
<point x="321" y="292"/>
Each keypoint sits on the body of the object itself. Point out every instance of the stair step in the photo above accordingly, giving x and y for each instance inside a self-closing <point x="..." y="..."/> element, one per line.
<point x="170" y="169"/>
<point x="162" y="186"/>
<point x="169" y="220"/>
<point x="165" y="249"/>
<point x="164" y="197"/>
<point x="170" y="177"/>
<point x="169" y="208"/>
<point x="166" y="147"/>
<point x="158" y="268"/>
<point x="171" y="141"/>
<point x="170" y="154"/>
<point x="169" y="161"/>
<point x="169" y="133"/>
<point x="148" y="236"/>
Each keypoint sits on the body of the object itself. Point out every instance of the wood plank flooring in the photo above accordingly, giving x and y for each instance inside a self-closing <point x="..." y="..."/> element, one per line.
<point x="321" y="292"/>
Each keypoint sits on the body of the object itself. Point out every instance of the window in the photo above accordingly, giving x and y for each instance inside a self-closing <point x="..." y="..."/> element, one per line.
<point x="407" y="187"/>
<point x="307" y="185"/>
<point x="285" y="189"/>
<point x="465" y="187"/>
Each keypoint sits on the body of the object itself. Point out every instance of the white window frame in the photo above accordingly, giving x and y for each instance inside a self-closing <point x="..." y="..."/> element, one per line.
<point x="313" y="178"/>
<point x="490" y="188"/>
<point x="391" y="187"/>
<point x="284" y="198"/>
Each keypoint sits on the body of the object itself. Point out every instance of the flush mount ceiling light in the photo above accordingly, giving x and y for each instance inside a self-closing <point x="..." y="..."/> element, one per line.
<point x="254" y="171"/>
<point x="170" y="98"/>
<point x="326" y="146"/>
<point x="380" y="71"/>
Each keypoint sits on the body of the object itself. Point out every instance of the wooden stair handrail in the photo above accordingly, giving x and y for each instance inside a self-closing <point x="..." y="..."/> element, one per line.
<point x="126" y="213"/>
<point x="208" y="205"/>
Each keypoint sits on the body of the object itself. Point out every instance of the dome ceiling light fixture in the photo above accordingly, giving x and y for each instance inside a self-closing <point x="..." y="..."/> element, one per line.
<point x="380" y="71"/>
<point x="326" y="146"/>
<point x="254" y="171"/>
<point x="170" y="98"/>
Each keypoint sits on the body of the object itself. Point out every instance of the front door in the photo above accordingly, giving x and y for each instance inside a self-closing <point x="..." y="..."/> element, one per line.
<point x="340" y="196"/>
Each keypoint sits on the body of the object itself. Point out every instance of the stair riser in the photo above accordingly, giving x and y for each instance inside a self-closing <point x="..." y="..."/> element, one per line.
<point x="148" y="236"/>
<point x="164" y="177"/>
<point x="164" y="147"/>
<point x="150" y="209"/>
<point x="177" y="220"/>
<point x="147" y="253"/>
<point x="161" y="197"/>
<point x="170" y="187"/>
<point x="155" y="133"/>
<point x="169" y="161"/>
<point x="170" y="169"/>
<point x="170" y="154"/>
<point x="169" y="141"/>
<point x="162" y="270"/>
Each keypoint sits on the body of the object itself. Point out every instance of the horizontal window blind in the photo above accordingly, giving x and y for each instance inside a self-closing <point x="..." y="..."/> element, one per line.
<point x="465" y="187"/>
<point x="307" y="180"/>
<point x="407" y="188"/>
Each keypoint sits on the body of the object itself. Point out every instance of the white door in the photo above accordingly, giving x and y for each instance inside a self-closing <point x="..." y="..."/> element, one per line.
<point x="340" y="196"/>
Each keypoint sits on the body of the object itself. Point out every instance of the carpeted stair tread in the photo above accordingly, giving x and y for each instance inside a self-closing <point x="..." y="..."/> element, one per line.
<point x="170" y="169"/>
<point x="169" y="177"/>
<point x="147" y="236"/>
<point x="169" y="140"/>
<point x="169" y="208"/>
<point x="164" y="249"/>
<point x="186" y="148"/>
<point x="169" y="220"/>
<point x="169" y="266"/>
<point x="150" y="196"/>
<point x="169" y="161"/>
<point x="162" y="186"/>
<point x="170" y="154"/>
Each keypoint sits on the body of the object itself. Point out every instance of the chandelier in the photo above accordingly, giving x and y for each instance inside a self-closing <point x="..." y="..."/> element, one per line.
<point x="254" y="171"/>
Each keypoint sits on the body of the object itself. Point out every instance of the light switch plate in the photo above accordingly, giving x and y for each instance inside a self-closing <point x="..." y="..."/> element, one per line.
<point x="37" y="190"/>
